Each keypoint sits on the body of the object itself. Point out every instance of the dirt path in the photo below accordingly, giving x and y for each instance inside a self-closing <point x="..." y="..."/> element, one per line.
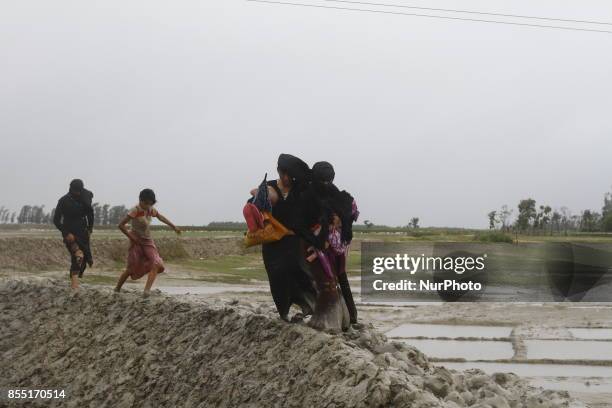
<point x="124" y="351"/>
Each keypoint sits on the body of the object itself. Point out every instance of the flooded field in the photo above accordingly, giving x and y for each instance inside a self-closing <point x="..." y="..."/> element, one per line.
<point x="449" y="331"/>
<point x="469" y="350"/>
<point x="569" y="350"/>
<point x="581" y="365"/>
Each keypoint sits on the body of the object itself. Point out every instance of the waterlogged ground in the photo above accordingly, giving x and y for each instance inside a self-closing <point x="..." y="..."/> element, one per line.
<point x="560" y="346"/>
<point x="556" y="346"/>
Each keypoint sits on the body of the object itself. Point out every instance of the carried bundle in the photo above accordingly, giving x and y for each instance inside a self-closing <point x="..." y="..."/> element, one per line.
<point x="262" y="227"/>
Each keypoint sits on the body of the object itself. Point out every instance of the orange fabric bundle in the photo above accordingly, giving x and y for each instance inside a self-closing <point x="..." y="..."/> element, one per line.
<point x="272" y="231"/>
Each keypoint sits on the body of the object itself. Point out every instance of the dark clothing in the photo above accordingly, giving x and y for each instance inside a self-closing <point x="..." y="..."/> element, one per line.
<point x="289" y="281"/>
<point x="294" y="213"/>
<point x="323" y="172"/>
<point x="288" y="274"/>
<point x="74" y="215"/>
<point x="345" y="287"/>
<point x="296" y="168"/>
<point x="320" y="202"/>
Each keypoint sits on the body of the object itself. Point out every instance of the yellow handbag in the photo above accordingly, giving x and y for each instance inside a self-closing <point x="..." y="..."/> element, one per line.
<point x="272" y="231"/>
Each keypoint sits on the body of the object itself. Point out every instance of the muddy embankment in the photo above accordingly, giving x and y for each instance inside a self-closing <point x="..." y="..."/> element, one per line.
<point x="42" y="254"/>
<point x="120" y="350"/>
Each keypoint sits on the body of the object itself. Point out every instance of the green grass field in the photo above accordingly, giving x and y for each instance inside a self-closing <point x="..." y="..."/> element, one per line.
<point x="248" y="268"/>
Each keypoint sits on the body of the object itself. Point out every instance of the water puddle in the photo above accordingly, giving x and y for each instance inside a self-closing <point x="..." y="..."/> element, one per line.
<point x="591" y="334"/>
<point x="535" y="370"/>
<point x="398" y="304"/>
<point x="449" y="331"/>
<point x="569" y="350"/>
<point x="208" y="290"/>
<point x="469" y="350"/>
<point x="591" y="386"/>
<point x="566" y="377"/>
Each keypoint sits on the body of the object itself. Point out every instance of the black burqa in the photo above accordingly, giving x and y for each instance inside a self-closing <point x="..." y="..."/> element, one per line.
<point x="74" y="215"/>
<point x="320" y="202"/>
<point x="288" y="274"/>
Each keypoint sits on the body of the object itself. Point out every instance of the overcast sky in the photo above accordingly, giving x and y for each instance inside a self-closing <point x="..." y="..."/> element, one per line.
<point x="444" y="120"/>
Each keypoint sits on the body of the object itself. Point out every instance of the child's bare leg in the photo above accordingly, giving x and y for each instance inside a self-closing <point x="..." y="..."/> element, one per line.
<point x="150" y="279"/>
<point x="74" y="281"/>
<point x="122" y="280"/>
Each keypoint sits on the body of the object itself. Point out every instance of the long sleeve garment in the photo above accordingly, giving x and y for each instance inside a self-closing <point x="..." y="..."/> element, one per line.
<point x="74" y="214"/>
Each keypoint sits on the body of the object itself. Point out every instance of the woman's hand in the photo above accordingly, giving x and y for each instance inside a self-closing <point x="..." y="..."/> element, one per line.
<point x="177" y="230"/>
<point x="69" y="238"/>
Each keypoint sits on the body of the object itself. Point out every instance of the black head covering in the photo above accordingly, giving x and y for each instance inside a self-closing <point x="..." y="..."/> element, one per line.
<point x="296" y="168"/>
<point x="76" y="186"/>
<point x="323" y="171"/>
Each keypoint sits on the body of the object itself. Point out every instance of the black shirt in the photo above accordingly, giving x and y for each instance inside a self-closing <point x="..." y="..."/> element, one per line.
<point x="74" y="214"/>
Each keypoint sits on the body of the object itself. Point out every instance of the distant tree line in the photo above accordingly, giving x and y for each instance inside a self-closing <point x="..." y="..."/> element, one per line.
<point x="104" y="214"/>
<point x="6" y="216"/>
<point x="532" y="218"/>
<point x="413" y="224"/>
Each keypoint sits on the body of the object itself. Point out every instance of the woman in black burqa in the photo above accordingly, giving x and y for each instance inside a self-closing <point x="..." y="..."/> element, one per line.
<point x="74" y="218"/>
<point x="288" y="273"/>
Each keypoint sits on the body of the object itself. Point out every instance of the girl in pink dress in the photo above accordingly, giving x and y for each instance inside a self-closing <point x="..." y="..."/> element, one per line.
<point x="143" y="256"/>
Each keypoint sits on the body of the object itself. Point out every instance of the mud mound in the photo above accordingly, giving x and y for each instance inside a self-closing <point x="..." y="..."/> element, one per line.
<point x="124" y="351"/>
<point x="29" y="253"/>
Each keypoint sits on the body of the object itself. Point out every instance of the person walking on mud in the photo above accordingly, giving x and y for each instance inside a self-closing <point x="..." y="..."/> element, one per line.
<point x="74" y="218"/>
<point x="286" y="269"/>
<point x="143" y="256"/>
<point x="331" y="213"/>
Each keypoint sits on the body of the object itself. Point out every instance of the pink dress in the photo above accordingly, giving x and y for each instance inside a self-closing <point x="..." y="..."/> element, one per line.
<point x="142" y="257"/>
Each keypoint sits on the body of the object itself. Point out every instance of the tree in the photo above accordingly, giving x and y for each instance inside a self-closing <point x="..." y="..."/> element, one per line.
<point x="542" y="217"/>
<point x="607" y="207"/>
<point x="116" y="213"/>
<point x="504" y="216"/>
<point x="492" y="219"/>
<point x="526" y="213"/>
<point x="97" y="213"/>
<point x="24" y="215"/>
<point x="590" y="221"/>
<point x="3" y="214"/>
<point x="368" y="224"/>
<point x="414" y="223"/>
<point x="104" y="215"/>
<point x="555" y="222"/>
<point x="606" y="223"/>
<point x="606" y="213"/>
<point x="38" y="214"/>
<point x="566" y="219"/>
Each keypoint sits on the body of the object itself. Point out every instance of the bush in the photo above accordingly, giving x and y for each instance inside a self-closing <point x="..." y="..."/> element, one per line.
<point x="493" y="236"/>
<point x="607" y="223"/>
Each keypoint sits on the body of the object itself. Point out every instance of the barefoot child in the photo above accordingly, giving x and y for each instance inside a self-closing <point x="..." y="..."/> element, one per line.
<point x="143" y="256"/>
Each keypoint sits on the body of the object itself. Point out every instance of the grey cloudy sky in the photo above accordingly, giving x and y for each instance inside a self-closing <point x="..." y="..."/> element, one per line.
<point x="438" y="119"/>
